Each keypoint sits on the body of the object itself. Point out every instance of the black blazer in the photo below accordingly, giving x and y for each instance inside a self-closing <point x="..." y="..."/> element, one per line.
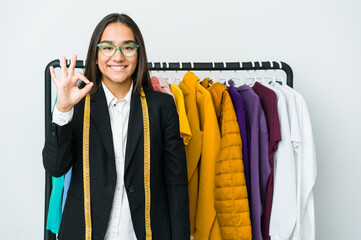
<point x="169" y="192"/>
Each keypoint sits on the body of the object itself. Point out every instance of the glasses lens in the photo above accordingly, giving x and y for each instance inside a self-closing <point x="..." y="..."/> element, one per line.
<point x="108" y="50"/>
<point x="129" y="50"/>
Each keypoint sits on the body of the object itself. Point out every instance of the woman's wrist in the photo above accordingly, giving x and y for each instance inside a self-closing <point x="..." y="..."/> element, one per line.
<point x="63" y="109"/>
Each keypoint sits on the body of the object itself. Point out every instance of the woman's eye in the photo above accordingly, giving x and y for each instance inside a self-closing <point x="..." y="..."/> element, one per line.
<point x="129" y="48"/>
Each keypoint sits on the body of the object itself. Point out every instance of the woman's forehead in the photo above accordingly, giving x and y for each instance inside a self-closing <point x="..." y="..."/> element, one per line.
<point x="117" y="33"/>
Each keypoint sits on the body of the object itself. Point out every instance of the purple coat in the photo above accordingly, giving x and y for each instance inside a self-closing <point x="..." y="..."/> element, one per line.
<point x="258" y="145"/>
<point x="241" y="119"/>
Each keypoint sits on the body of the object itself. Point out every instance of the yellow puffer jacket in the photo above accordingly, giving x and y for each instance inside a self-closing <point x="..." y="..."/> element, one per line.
<point x="231" y="200"/>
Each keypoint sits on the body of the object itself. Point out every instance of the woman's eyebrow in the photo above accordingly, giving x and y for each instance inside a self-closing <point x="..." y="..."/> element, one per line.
<point x="128" y="41"/>
<point x="112" y="42"/>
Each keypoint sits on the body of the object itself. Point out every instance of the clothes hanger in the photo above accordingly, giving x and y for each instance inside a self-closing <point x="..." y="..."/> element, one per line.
<point x="168" y="79"/>
<point x="150" y="71"/>
<point x="192" y="67"/>
<point x="177" y="79"/>
<point x="221" y="78"/>
<point x="280" y="80"/>
<point x="211" y="77"/>
<point x="272" y="79"/>
<point x="237" y="80"/>
<point x="259" y="79"/>
<point x="251" y="80"/>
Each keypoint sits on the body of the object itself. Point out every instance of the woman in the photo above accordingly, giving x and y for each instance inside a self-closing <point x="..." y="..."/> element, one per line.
<point x="116" y="72"/>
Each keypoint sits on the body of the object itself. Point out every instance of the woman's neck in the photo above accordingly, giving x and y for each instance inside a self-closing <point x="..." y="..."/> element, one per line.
<point x="119" y="90"/>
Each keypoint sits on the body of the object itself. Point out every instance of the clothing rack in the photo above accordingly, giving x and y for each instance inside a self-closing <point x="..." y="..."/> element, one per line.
<point x="156" y="66"/>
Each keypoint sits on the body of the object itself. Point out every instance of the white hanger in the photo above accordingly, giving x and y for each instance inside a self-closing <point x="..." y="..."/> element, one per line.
<point x="192" y="66"/>
<point x="272" y="78"/>
<point x="177" y="79"/>
<point x="259" y="79"/>
<point x="235" y="78"/>
<point x="211" y="77"/>
<point x="280" y="79"/>
<point x="221" y="78"/>
<point x="165" y="76"/>
<point x="252" y="79"/>
<point x="150" y="71"/>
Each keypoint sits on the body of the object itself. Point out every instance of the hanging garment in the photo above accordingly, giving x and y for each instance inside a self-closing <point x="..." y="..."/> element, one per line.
<point x="241" y="118"/>
<point x="269" y="104"/>
<point x="67" y="179"/>
<point x="55" y="208"/>
<point x="260" y="168"/>
<point x="193" y="152"/>
<point x="295" y="135"/>
<point x="207" y="226"/>
<point x="165" y="86"/>
<point x="156" y="86"/>
<point x="231" y="200"/>
<point x="283" y="214"/>
<point x="184" y="127"/>
<point x="55" y="212"/>
<point x="306" y="170"/>
<point x="292" y="118"/>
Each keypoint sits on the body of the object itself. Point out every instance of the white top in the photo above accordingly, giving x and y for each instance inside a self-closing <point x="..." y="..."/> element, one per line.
<point x="120" y="224"/>
<point x="283" y="213"/>
<point x="306" y="173"/>
<point x="292" y="117"/>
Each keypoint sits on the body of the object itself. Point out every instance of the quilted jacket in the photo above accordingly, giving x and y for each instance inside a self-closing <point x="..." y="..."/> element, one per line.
<point x="231" y="199"/>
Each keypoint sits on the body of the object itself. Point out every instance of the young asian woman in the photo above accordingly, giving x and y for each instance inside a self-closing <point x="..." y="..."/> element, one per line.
<point x="116" y="72"/>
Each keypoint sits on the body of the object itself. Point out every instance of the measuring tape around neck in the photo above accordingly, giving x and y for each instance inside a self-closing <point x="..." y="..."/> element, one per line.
<point x="86" y="168"/>
<point x="148" y="230"/>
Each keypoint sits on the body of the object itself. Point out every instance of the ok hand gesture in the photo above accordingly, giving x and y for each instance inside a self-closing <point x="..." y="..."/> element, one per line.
<point x="68" y="92"/>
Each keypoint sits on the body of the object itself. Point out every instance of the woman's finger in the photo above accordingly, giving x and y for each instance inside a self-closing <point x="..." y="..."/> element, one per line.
<point x="72" y="66"/>
<point x="82" y="77"/>
<point x="85" y="90"/>
<point x="53" y="75"/>
<point x="64" y="72"/>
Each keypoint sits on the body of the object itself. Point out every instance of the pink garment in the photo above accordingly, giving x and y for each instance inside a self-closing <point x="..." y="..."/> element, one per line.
<point x="155" y="84"/>
<point x="165" y="85"/>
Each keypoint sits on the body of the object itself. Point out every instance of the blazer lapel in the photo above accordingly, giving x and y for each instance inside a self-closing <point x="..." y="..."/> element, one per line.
<point x="100" y="113"/>
<point x="135" y="127"/>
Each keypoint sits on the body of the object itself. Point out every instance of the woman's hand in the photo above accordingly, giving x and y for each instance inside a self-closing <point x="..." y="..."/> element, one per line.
<point x="68" y="92"/>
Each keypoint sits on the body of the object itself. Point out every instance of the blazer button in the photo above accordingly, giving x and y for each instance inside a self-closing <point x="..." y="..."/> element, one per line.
<point x="131" y="189"/>
<point x="53" y="133"/>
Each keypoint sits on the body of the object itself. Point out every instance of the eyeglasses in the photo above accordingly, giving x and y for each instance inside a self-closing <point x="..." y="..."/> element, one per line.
<point x="127" y="50"/>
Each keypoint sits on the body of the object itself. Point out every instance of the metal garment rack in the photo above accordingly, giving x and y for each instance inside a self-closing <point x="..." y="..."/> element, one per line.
<point x="156" y="66"/>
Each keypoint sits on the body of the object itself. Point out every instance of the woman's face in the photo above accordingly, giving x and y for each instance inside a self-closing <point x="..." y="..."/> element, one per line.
<point x="117" y="69"/>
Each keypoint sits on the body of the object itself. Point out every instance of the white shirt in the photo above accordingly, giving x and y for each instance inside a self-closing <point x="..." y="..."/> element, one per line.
<point x="306" y="173"/>
<point x="284" y="211"/>
<point x="120" y="224"/>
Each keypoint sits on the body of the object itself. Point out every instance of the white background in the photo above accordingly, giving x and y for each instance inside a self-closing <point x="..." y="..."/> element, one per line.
<point x="320" y="40"/>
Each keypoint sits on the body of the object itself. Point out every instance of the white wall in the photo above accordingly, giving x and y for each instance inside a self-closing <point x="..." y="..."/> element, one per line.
<point x="319" y="39"/>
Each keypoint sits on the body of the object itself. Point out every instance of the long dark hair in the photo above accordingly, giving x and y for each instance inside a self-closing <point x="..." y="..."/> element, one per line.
<point x="91" y="70"/>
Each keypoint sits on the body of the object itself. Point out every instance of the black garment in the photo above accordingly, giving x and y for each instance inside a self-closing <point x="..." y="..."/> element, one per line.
<point x="169" y="192"/>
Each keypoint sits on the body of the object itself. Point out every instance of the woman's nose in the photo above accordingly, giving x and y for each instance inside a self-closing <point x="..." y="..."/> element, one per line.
<point x="118" y="55"/>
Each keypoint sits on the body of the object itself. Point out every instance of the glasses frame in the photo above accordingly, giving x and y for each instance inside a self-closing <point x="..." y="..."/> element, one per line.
<point x="116" y="48"/>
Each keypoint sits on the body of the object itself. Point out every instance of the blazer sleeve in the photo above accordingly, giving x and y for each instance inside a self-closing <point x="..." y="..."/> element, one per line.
<point x="59" y="149"/>
<point x="175" y="175"/>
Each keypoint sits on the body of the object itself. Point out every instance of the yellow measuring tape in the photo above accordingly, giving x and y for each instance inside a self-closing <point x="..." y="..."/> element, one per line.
<point x="148" y="230"/>
<point x="86" y="168"/>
